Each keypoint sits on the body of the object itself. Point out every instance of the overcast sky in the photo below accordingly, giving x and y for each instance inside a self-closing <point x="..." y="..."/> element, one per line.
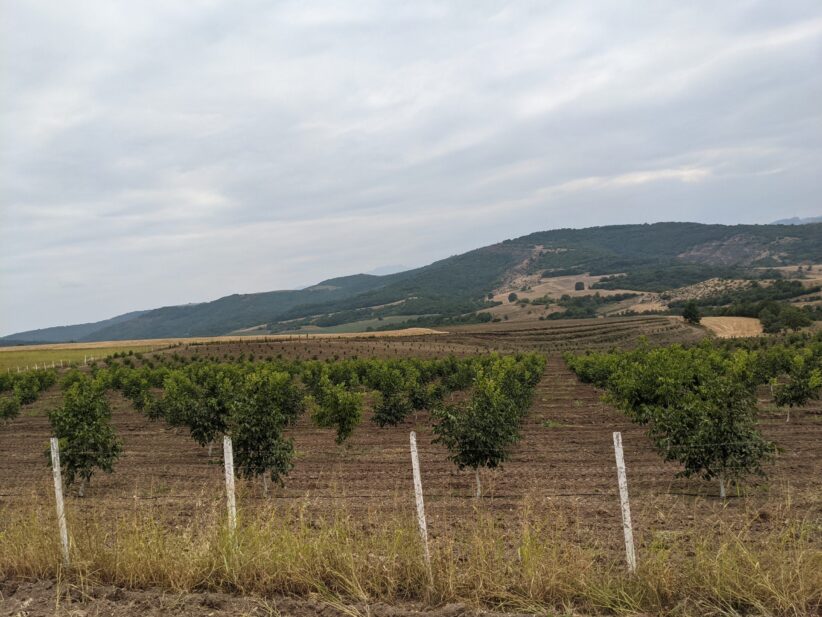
<point x="161" y="152"/>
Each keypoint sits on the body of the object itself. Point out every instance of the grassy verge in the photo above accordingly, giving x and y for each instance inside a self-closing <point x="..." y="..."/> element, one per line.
<point x="527" y="561"/>
<point x="11" y="358"/>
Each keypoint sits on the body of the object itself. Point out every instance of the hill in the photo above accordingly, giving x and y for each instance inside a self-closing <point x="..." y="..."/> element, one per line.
<point x="60" y="334"/>
<point x="647" y="257"/>
<point x="799" y="221"/>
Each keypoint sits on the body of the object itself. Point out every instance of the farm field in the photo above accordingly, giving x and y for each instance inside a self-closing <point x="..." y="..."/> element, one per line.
<point x="733" y="327"/>
<point x="27" y="355"/>
<point x="561" y="481"/>
<point x="12" y="358"/>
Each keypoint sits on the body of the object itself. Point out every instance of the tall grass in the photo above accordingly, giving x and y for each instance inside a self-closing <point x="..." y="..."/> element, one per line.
<point x="536" y="560"/>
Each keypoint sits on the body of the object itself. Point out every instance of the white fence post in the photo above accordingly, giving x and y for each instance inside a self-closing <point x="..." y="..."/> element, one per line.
<point x="58" y="498"/>
<point x="228" y="457"/>
<point x="415" y="466"/>
<point x="627" y="528"/>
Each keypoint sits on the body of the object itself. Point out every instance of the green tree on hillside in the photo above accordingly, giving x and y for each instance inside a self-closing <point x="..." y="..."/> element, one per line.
<point x="691" y="312"/>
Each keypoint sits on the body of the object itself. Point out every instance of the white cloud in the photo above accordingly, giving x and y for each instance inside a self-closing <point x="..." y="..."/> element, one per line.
<point x="159" y="152"/>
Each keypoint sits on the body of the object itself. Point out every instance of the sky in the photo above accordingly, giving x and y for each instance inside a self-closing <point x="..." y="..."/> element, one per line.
<point x="163" y="152"/>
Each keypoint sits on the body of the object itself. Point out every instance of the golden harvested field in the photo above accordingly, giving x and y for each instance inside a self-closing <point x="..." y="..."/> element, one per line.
<point x="27" y="356"/>
<point x="733" y="327"/>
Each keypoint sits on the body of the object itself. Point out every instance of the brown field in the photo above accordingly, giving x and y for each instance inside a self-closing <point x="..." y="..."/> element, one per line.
<point x="733" y="327"/>
<point x="167" y="342"/>
<point x="563" y="466"/>
<point x="26" y="356"/>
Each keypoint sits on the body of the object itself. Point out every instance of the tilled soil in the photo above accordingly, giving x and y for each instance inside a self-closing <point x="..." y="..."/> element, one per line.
<point x="46" y="599"/>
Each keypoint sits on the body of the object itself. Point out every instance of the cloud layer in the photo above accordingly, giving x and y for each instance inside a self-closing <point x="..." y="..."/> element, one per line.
<point x="159" y="152"/>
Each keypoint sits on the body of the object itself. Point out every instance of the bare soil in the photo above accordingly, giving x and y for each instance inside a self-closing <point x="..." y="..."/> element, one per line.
<point x="47" y="599"/>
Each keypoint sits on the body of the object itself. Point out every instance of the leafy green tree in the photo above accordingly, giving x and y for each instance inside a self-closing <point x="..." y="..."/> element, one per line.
<point x="9" y="407"/>
<point x="691" y="312"/>
<point x="337" y="407"/>
<point x="713" y="431"/>
<point x="27" y="388"/>
<point x="579" y="286"/>
<point x="216" y="387"/>
<point x="266" y="403"/>
<point x="394" y="387"/>
<point x="181" y="399"/>
<point x="83" y="429"/>
<point x="512" y="297"/>
<point x="699" y="405"/>
<point x="483" y="432"/>
<point x="804" y="381"/>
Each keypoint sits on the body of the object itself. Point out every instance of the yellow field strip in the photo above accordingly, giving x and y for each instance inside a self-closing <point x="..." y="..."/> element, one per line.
<point x="164" y="342"/>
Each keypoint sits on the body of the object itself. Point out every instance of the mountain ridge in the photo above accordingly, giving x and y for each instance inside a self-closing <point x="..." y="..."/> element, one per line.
<point x="460" y="285"/>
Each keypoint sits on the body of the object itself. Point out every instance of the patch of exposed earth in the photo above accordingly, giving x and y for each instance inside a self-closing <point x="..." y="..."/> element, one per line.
<point x="47" y="599"/>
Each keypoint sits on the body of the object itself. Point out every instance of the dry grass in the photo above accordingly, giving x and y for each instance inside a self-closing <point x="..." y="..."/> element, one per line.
<point x="534" y="560"/>
<point x="733" y="327"/>
<point x="28" y="355"/>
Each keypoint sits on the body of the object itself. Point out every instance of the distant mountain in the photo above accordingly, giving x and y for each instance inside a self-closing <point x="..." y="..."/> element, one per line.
<point x="61" y="334"/>
<point x="661" y="256"/>
<point x="798" y="221"/>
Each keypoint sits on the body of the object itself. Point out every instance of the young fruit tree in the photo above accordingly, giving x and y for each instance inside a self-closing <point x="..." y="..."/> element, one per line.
<point x="216" y="388"/>
<point x="804" y="381"/>
<point x="393" y="404"/>
<point x="699" y="405"/>
<point x="266" y="402"/>
<point x="337" y="407"/>
<point x="482" y="433"/>
<point x="86" y="437"/>
<point x="714" y="434"/>
<point x="9" y="407"/>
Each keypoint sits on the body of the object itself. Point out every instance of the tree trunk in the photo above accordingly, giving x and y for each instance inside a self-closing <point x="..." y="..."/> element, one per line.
<point x="81" y="491"/>
<point x="265" y="484"/>
<point x="479" y="484"/>
<point x="788" y="418"/>
<point x="210" y="447"/>
<point x="722" y="486"/>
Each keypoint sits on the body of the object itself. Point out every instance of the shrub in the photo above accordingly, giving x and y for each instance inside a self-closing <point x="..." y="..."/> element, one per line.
<point x="9" y="407"/>
<point x="82" y="426"/>
<point x="336" y="407"/>
<point x="265" y="404"/>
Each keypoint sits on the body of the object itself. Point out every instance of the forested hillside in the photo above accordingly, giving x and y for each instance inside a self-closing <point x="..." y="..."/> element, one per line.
<point x="648" y="257"/>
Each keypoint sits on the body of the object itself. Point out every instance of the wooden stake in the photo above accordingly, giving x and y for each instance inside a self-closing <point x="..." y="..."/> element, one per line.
<point x="58" y="498"/>
<point x="627" y="528"/>
<point x="228" y="457"/>
<point x="415" y="467"/>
